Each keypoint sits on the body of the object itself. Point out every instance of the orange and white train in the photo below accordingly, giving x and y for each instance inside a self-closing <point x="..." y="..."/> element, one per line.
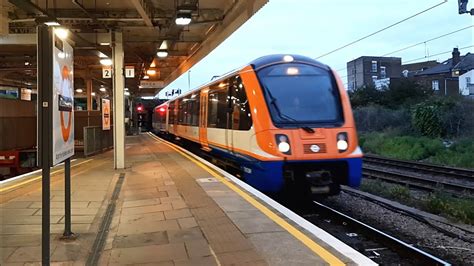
<point x="282" y="121"/>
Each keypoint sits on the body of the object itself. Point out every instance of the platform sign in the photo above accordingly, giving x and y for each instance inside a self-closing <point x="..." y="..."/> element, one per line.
<point x="149" y="84"/>
<point x="63" y="101"/>
<point x="107" y="72"/>
<point x="105" y="114"/>
<point x="129" y="71"/>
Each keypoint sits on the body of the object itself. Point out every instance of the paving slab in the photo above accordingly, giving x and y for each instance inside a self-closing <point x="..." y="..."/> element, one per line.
<point x="169" y="211"/>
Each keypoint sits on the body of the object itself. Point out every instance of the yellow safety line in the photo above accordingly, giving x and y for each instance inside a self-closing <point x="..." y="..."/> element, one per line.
<point x="38" y="177"/>
<point x="316" y="248"/>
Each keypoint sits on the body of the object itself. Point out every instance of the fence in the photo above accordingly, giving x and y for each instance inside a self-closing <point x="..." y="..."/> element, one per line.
<point x="97" y="140"/>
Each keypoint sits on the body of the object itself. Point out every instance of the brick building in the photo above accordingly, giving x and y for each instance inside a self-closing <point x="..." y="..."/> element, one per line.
<point x="372" y="71"/>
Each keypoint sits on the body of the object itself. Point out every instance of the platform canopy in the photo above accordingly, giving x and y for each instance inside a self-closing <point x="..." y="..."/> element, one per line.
<point x="148" y="26"/>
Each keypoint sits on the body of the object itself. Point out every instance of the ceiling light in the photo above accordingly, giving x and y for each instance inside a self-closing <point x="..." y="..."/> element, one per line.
<point x="92" y="93"/>
<point x="183" y="18"/>
<point x="101" y="55"/>
<point x="146" y="77"/>
<point x="103" y="89"/>
<point x="162" y="53"/>
<point x="27" y="63"/>
<point x="151" y="72"/>
<point x="106" y="61"/>
<point x="148" y="97"/>
<point x="126" y="89"/>
<point x="153" y="64"/>
<point x="126" y="93"/>
<point x="62" y="33"/>
<point x="52" y="23"/>
<point x="79" y="90"/>
<point x="104" y="43"/>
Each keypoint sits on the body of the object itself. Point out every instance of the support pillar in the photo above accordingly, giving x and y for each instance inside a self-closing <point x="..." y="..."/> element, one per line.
<point x="89" y="96"/>
<point x="45" y="80"/>
<point x="118" y="100"/>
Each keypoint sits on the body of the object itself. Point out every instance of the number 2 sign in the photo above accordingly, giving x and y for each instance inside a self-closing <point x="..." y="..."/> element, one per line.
<point x="107" y="72"/>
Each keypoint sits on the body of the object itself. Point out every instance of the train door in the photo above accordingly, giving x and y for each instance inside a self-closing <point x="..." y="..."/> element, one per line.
<point x="230" y="115"/>
<point x="240" y="113"/>
<point x="174" y="131"/>
<point x="203" y="119"/>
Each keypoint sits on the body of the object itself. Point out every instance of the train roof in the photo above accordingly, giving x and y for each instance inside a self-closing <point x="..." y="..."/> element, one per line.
<point x="285" y="58"/>
<point x="257" y="64"/>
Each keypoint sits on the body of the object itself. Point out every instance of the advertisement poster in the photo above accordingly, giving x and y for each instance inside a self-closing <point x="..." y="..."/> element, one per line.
<point x="105" y="114"/>
<point x="63" y="101"/>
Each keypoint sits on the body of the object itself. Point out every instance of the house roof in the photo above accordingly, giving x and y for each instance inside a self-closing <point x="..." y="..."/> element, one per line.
<point x="466" y="63"/>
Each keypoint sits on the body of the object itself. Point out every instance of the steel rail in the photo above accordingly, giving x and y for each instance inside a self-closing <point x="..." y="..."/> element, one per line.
<point x="420" y="182"/>
<point x="422" y="167"/>
<point x="401" y="247"/>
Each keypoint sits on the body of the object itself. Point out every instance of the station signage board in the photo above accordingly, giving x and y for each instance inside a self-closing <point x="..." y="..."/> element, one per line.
<point x="25" y="94"/>
<point x="105" y="114"/>
<point x="129" y="71"/>
<point x="107" y="72"/>
<point x="147" y="84"/>
<point x="62" y="101"/>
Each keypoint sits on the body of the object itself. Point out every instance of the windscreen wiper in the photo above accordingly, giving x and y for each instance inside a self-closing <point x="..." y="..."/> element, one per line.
<point x="282" y="115"/>
<point x="275" y="105"/>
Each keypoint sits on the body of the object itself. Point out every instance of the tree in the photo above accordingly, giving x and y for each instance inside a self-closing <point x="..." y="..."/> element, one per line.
<point x="366" y="95"/>
<point x="405" y="92"/>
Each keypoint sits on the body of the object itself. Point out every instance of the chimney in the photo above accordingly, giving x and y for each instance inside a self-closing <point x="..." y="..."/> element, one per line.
<point x="456" y="57"/>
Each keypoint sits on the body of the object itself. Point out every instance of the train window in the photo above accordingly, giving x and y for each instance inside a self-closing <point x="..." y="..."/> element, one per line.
<point x="189" y="107"/>
<point x="188" y="104"/>
<point x="171" y="113"/>
<point x="213" y="98"/>
<point x="301" y="95"/>
<point x="218" y="102"/>
<point x="181" y="111"/>
<point x="241" y="117"/>
<point x="195" y="109"/>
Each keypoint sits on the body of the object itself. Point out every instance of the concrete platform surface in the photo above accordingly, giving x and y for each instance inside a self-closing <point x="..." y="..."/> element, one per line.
<point x="169" y="211"/>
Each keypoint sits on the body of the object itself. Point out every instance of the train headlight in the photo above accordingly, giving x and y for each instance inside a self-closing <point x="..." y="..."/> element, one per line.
<point x="283" y="143"/>
<point x="342" y="142"/>
<point x="284" y="147"/>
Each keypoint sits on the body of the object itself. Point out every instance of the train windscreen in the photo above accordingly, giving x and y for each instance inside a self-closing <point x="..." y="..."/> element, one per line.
<point x="301" y="95"/>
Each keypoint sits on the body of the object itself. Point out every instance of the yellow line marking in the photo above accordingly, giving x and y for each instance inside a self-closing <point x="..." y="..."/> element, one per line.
<point x="38" y="177"/>
<point x="316" y="248"/>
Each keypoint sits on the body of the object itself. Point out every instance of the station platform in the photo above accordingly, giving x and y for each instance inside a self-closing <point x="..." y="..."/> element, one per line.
<point x="166" y="208"/>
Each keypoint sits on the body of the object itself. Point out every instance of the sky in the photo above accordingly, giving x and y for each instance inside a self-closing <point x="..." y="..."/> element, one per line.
<point x="315" y="27"/>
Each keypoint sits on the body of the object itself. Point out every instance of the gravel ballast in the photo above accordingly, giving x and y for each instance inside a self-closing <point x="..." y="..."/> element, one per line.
<point x="454" y="250"/>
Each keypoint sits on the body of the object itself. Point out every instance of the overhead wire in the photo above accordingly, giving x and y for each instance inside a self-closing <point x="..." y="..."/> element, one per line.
<point x="429" y="56"/>
<point x="420" y="43"/>
<point x="381" y="30"/>
<point x="432" y="39"/>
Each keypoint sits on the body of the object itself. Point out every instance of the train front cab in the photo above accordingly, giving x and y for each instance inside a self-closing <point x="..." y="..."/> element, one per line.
<point x="297" y="151"/>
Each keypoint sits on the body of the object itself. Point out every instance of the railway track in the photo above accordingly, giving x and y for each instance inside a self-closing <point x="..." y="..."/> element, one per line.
<point x="377" y="245"/>
<point x="419" y="175"/>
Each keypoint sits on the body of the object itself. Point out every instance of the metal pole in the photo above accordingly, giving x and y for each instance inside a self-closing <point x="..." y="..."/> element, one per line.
<point x="45" y="212"/>
<point x="68" y="234"/>
<point x="45" y="68"/>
